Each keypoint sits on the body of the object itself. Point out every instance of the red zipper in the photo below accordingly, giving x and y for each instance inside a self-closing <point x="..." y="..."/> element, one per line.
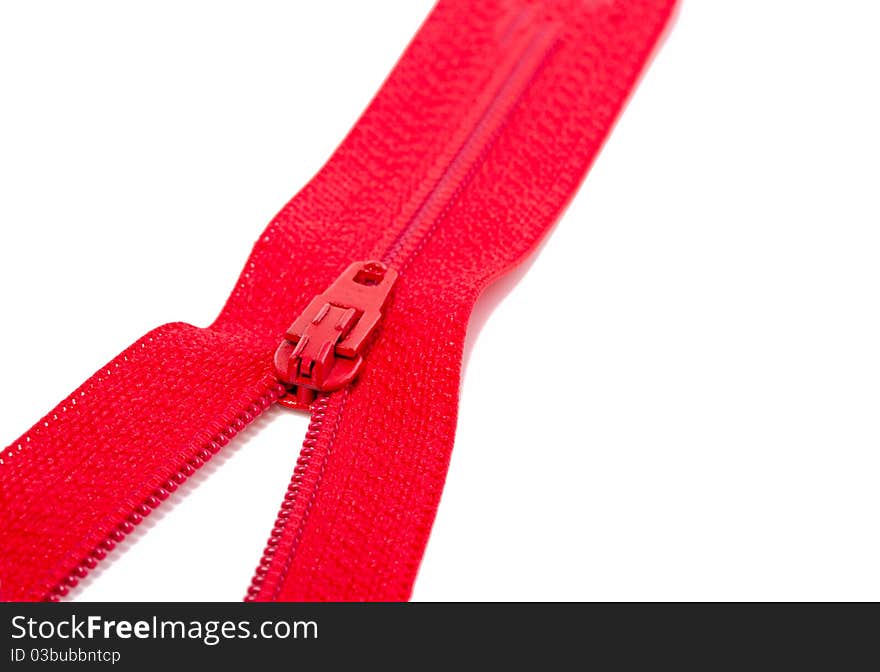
<point x="329" y="344"/>
<point x="510" y="82"/>
<point x="531" y="43"/>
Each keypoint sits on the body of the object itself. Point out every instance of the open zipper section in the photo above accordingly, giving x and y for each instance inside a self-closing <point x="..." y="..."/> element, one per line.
<point x="183" y="472"/>
<point x="532" y="45"/>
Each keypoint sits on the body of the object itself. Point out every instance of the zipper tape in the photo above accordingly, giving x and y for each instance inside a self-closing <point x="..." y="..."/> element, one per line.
<point x="452" y="175"/>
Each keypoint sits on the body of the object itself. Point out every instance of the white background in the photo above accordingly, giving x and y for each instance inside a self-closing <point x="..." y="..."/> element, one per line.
<point x="709" y="430"/>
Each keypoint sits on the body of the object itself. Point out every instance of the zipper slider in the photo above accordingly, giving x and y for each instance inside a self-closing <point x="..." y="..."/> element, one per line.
<point x="322" y="350"/>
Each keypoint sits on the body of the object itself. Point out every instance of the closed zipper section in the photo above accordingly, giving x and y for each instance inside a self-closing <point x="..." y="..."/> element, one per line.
<point x="515" y="75"/>
<point x="509" y="82"/>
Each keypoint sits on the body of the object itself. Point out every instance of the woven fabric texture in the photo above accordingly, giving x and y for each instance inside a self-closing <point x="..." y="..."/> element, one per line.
<point x="172" y="399"/>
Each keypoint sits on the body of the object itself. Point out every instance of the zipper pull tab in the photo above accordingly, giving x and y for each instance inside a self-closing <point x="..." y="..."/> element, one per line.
<point x="322" y="350"/>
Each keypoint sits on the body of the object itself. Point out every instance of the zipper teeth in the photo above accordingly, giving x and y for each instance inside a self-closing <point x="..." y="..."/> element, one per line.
<point x="470" y="155"/>
<point x="163" y="492"/>
<point x="398" y="253"/>
<point x="287" y="514"/>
